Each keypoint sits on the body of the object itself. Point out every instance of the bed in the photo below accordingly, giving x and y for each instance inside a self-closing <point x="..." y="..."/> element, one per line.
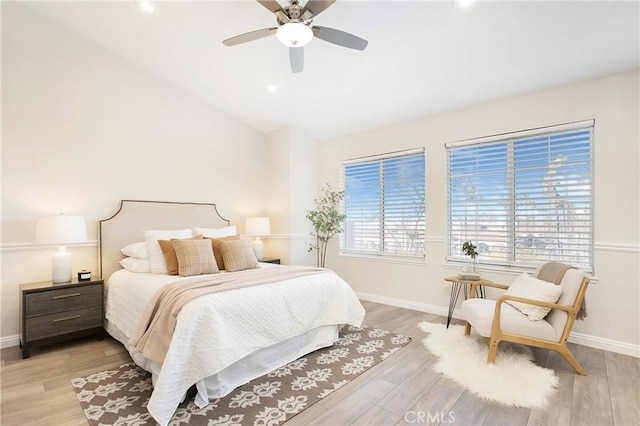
<point x="224" y="339"/>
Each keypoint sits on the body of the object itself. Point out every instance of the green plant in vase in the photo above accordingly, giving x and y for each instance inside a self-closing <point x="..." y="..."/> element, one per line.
<point x="469" y="249"/>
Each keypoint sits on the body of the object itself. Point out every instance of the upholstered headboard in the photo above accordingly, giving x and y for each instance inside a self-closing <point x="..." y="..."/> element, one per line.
<point x="133" y="217"/>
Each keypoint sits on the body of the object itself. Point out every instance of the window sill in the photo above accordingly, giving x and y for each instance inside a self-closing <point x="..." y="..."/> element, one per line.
<point x="385" y="259"/>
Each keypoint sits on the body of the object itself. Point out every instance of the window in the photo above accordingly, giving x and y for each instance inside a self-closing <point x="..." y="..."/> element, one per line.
<point x="523" y="198"/>
<point x="384" y="205"/>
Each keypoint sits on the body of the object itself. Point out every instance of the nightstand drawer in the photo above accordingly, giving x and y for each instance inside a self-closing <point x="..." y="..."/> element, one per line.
<point x="62" y="323"/>
<point x="66" y="299"/>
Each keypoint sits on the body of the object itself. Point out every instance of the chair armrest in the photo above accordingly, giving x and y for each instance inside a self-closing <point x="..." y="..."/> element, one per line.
<point x="505" y="297"/>
<point x="472" y="292"/>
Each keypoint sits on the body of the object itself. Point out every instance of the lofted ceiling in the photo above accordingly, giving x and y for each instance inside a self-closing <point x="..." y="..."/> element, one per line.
<point x="423" y="57"/>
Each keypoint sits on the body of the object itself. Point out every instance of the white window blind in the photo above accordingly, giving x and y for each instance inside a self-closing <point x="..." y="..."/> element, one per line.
<point x="384" y="204"/>
<point x="523" y="200"/>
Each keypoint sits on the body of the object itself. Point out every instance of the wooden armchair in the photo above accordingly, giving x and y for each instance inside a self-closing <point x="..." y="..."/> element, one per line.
<point x="498" y="321"/>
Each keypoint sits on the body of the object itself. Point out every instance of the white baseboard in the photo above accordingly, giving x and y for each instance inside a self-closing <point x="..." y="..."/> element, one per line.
<point x="610" y="345"/>
<point x="9" y="341"/>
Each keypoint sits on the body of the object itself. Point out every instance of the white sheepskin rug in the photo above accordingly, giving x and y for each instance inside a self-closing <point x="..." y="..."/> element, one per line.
<point x="513" y="380"/>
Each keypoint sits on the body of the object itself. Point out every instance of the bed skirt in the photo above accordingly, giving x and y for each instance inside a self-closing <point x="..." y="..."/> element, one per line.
<point x="246" y="369"/>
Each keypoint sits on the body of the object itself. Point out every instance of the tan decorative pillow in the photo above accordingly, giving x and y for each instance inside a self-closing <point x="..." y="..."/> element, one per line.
<point x="238" y="255"/>
<point x="215" y="242"/>
<point x="170" y="254"/>
<point x="195" y="257"/>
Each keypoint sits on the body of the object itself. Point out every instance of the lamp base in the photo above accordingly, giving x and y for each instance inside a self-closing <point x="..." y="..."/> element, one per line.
<point x="258" y="248"/>
<point x="61" y="263"/>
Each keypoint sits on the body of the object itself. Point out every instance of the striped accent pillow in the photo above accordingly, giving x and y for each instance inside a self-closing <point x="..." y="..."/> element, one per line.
<point x="238" y="255"/>
<point x="195" y="257"/>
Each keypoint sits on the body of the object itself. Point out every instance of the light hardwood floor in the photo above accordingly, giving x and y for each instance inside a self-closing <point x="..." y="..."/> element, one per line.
<point x="37" y="391"/>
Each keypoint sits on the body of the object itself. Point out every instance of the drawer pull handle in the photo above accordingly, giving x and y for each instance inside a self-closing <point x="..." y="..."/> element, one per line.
<point x="64" y="296"/>
<point x="66" y="318"/>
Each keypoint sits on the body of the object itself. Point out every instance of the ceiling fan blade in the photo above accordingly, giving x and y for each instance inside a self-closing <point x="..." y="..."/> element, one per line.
<point x="340" y="38"/>
<point x="296" y="57"/>
<point x="317" y="6"/>
<point x="250" y="36"/>
<point x="272" y="5"/>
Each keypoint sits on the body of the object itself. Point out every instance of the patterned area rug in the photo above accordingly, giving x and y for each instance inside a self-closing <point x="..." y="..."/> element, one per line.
<point x="119" y="396"/>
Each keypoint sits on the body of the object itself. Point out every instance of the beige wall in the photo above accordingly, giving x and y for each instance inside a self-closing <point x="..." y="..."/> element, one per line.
<point x="292" y="171"/>
<point x="83" y="129"/>
<point x="613" y="301"/>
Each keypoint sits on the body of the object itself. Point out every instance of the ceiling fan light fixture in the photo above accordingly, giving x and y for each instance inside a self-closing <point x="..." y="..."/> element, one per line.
<point x="146" y="6"/>
<point x="294" y="34"/>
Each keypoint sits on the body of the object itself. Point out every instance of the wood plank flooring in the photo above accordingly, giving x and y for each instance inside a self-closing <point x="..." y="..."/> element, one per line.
<point x="401" y="390"/>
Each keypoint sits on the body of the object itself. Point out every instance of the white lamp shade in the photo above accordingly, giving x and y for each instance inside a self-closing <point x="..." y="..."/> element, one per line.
<point x="257" y="226"/>
<point x="61" y="229"/>
<point x="294" y="34"/>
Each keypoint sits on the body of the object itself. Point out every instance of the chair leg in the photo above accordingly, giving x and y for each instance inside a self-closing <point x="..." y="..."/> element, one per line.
<point x="568" y="356"/>
<point x="493" y="350"/>
<point x="467" y="329"/>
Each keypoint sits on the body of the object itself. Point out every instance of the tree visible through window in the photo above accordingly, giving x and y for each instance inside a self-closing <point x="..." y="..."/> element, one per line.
<point x="384" y="204"/>
<point x="523" y="200"/>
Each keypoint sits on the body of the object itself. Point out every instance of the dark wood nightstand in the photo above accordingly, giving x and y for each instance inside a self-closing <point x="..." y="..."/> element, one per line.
<point x="270" y="260"/>
<point x="50" y="313"/>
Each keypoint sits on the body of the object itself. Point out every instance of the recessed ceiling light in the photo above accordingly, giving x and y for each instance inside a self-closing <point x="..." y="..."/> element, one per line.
<point x="465" y="3"/>
<point x="272" y="88"/>
<point x="147" y="6"/>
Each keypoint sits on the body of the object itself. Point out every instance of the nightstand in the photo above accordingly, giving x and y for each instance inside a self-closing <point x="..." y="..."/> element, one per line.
<point x="50" y="313"/>
<point x="270" y="260"/>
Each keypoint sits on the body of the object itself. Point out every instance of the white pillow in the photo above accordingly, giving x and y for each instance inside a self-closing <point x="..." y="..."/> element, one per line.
<point x="135" y="264"/>
<point x="227" y="231"/>
<point x="138" y="250"/>
<point x="533" y="288"/>
<point x="156" y="258"/>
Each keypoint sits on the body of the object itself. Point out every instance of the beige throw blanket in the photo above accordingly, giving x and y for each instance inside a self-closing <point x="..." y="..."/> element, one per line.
<point x="553" y="272"/>
<point x="153" y="334"/>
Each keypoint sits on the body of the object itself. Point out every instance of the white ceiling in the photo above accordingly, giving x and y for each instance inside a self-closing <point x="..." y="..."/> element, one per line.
<point x="424" y="57"/>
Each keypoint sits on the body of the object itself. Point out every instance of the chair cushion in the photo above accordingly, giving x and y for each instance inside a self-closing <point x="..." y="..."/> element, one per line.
<point x="479" y="313"/>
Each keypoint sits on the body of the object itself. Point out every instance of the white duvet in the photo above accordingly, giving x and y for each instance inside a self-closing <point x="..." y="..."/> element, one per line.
<point x="216" y="330"/>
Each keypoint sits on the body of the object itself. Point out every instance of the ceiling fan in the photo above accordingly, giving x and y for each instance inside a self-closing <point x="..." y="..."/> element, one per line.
<point x="295" y="30"/>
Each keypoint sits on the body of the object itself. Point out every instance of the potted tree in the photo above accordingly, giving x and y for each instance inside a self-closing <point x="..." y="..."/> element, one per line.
<point x="326" y="220"/>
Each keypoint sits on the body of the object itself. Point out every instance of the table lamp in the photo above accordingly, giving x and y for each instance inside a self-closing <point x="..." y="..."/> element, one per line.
<point x="257" y="227"/>
<point x="59" y="230"/>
